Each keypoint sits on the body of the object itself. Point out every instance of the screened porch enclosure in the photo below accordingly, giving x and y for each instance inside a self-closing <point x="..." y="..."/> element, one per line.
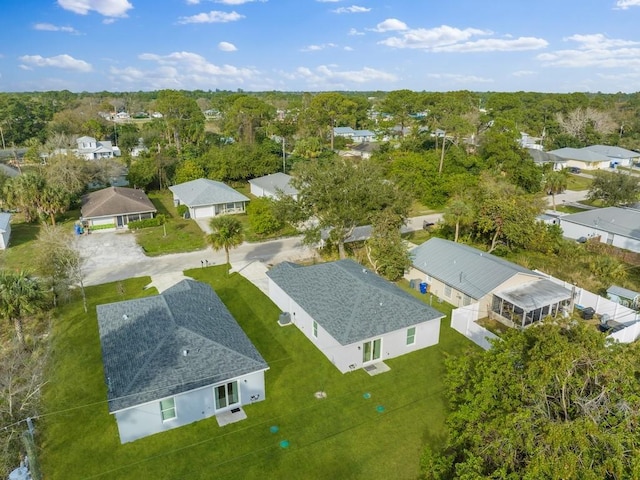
<point x="531" y="302"/>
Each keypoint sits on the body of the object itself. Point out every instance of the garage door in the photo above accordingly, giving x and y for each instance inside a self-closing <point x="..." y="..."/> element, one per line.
<point x="203" y="212"/>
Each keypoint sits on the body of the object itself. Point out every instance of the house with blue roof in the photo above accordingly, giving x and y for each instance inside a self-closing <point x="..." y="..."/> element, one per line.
<point x="462" y="275"/>
<point x="176" y="358"/>
<point x="354" y="317"/>
<point x="208" y="198"/>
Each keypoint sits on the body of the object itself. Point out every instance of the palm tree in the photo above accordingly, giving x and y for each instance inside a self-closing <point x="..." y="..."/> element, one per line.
<point x="554" y="183"/>
<point x="20" y="295"/>
<point x="459" y="212"/>
<point x="226" y="233"/>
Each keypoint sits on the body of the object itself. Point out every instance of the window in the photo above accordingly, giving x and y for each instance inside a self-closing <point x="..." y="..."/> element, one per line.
<point x="168" y="409"/>
<point x="411" y="336"/>
<point x="447" y="291"/>
<point x="226" y="395"/>
<point x="315" y="329"/>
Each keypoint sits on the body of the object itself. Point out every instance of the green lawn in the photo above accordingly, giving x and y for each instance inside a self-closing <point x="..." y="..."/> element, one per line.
<point x="176" y="235"/>
<point x="342" y="436"/>
<point x="576" y="182"/>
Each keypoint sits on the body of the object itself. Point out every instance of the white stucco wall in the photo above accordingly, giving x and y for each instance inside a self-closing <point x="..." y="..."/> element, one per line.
<point x="143" y="420"/>
<point x="575" y="231"/>
<point x="4" y="238"/>
<point x="349" y="357"/>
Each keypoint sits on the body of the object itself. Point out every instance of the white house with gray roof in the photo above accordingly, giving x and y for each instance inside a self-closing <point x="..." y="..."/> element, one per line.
<point x="582" y="158"/>
<point x="615" y="226"/>
<point x="5" y="229"/>
<point x="354" y="317"/>
<point x="462" y="275"/>
<point x="617" y="155"/>
<point x="176" y="358"/>
<point x="273" y="185"/>
<point x="208" y="198"/>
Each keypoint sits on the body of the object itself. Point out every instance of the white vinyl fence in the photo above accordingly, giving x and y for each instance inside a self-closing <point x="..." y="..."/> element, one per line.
<point x="464" y="319"/>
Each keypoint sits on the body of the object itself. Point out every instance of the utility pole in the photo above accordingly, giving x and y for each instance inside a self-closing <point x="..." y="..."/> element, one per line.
<point x="2" y="135"/>
<point x="444" y="144"/>
<point x="284" y="163"/>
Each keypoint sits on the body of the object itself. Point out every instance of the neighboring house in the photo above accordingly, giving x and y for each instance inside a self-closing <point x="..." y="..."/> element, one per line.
<point x="353" y="316"/>
<point x="365" y="150"/>
<point x="582" y="158"/>
<point x="615" y="226"/>
<point x="618" y="156"/>
<point x="273" y="185"/>
<point x="529" y="142"/>
<point x="207" y="198"/>
<point x="545" y="158"/>
<point x="363" y="136"/>
<point x="115" y="207"/>
<point x="5" y="230"/>
<point x="91" y="149"/>
<point x="550" y="217"/>
<point x="346" y="132"/>
<point x="624" y="296"/>
<point x="176" y="358"/>
<point x="462" y="275"/>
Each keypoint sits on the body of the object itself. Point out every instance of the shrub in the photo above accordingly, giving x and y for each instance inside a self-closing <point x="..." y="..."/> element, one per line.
<point x="147" y="222"/>
<point x="182" y="209"/>
<point x="262" y="218"/>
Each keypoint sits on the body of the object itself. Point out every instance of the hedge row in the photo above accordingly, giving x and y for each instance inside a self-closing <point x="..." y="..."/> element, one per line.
<point x="147" y="222"/>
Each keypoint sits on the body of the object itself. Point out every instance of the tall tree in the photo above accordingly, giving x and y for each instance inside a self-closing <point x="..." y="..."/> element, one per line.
<point x="614" y="188"/>
<point x="226" y="233"/>
<point x="341" y="194"/>
<point x="557" y="400"/>
<point x="400" y="104"/>
<point x="20" y="295"/>
<point x="182" y="117"/>
<point x="554" y="183"/>
<point x="331" y="109"/>
<point x="386" y="251"/>
<point x="245" y="116"/>
<point x="459" y="212"/>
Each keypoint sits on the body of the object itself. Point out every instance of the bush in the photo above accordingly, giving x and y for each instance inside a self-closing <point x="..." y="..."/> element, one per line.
<point x="147" y="222"/>
<point x="262" y="218"/>
<point x="182" y="209"/>
<point x="102" y="227"/>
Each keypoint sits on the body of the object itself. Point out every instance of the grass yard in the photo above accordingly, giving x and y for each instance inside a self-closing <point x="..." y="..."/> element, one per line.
<point x="346" y="435"/>
<point x="176" y="235"/>
<point x="576" y="182"/>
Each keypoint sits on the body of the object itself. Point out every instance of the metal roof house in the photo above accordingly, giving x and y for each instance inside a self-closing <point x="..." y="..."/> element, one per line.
<point x="615" y="226"/>
<point x="5" y="230"/>
<point x="462" y="275"/>
<point x="617" y="155"/>
<point x="176" y="358"/>
<point x="208" y="198"/>
<point x="115" y="207"/>
<point x="354" y="317"/>
<point x="624" y="296"/>
<point x="583" y="158"/>
<point x="273" y="185"/>
<point x="542" y="158"/>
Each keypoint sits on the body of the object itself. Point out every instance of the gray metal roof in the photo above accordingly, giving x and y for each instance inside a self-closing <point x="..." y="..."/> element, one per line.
<point x="143" y="341"/>
<point x="201" y="192"/>
<point x="539" y="156"/>
<point x="469" y="270"/>
<point x="620" y="221"/>
<point x="622" y="292"/>
<point x="5" y="220"/>
<point x="274" y="183"/>
<point x="580" y="154"/>
<point x="535" y="294"/>
<point x="349" y="301"/>
<point x="613" y="152"/>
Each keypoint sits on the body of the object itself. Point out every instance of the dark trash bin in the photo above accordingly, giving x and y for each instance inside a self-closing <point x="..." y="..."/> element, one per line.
<point x="587" y="313"/>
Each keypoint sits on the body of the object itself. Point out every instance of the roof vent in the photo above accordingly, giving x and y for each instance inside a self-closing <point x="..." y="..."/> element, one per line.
<point x="185" y="352"/>
<point x="125" y="317"/>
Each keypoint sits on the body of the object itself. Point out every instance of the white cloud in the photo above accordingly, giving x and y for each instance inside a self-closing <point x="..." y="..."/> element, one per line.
<point x="496" y="45"/>
<point x="238" y="2"/>
<point x="327" y="76"/>
<point x="328" y="1"/>
<point x="351" y="9"/>
<point x="458" y="78"/>
<point x="624" y="4"/>
<point x="523" y="73"/>
<point x="214" y="16"/>
<point x="317" y="48"/>
<point x="389" y="25"/>
<point x="64" y="61"/>
<point x="354" y="32"/>
<point x="193" y="2"/>
<point x="595" y="50"/>
<point x="49" y="27"/>
<point x="348" y="49"/>
<point x="108" y="8"/>
<point x="451" y="39"/>
<point x="227" y="47"/>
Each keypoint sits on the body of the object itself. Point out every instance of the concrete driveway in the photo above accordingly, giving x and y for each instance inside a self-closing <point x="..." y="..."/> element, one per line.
<point x="109" y="249"/>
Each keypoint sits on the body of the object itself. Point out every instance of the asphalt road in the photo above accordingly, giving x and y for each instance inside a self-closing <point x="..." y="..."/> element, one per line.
<point x="113" y="256"/>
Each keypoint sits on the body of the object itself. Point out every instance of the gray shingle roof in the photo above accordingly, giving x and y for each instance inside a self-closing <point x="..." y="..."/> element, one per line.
<point x="274" y="183"/>
<point x="115" y="201"/>
<point x="469" y="270"/>
<point x="143" y="342"/>
<point x="203" y="191"/>
<point x="350" y="302"/>
<point x="620" y="221"/>
<point x="580" y="154"/>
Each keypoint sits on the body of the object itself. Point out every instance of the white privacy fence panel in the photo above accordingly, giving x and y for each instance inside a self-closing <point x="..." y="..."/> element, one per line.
<point x="464" y="319"/>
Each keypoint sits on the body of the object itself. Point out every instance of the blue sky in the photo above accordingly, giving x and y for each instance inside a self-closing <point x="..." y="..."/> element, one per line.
<point x="314" y="45"/>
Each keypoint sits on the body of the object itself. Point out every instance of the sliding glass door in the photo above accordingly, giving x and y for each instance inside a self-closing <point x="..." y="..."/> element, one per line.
<point x="226" y="395"/>
<point x="371" y="350"/>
